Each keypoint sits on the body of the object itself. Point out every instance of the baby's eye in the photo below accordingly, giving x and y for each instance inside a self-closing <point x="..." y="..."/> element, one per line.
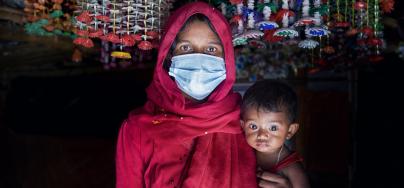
<point x="273" y="128"/>
<point x="253" y="126"/>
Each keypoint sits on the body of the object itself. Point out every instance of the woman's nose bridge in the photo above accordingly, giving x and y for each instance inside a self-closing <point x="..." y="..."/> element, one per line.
<point x="199" y="49"/>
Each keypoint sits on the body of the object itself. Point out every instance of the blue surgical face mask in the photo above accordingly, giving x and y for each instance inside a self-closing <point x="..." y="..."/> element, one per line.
<point x="197" y="74"/>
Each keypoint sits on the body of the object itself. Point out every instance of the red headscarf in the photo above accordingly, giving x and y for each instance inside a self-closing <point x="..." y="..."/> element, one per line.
<point x="220" y="113"/>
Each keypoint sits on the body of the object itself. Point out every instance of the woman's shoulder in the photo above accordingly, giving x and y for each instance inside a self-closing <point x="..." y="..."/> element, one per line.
<point x="137" y="118"/>
<point x="133" y="132"/>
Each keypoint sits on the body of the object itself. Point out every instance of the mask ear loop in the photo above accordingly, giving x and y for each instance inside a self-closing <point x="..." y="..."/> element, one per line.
<point x="279" y="155"/>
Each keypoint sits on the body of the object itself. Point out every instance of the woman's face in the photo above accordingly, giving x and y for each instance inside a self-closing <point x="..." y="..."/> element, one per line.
<point x="197" y="37"/>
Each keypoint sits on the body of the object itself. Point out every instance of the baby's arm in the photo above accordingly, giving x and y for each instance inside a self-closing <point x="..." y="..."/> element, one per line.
<point x="296" y="175"/>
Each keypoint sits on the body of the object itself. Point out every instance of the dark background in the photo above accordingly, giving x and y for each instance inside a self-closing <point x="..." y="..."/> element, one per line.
<point x="59" y="120"/>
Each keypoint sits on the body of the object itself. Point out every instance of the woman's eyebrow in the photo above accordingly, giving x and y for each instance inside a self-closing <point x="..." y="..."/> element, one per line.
<point x="215" y="42"/>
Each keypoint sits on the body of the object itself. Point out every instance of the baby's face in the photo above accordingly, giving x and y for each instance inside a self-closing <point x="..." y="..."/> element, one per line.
<point x="266" y="131"/>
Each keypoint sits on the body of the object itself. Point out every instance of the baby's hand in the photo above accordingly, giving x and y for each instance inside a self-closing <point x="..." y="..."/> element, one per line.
<point x="271" y="180"/>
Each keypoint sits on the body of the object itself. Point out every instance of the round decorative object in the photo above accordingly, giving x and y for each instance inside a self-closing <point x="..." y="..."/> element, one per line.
<point x="49" y="28"/>
<point x="387" y="5"/>
<point x="284" y="12"/>
<point x="137" y="37"/>
<point x="251" y="34"/>
<point x="368" y="31"/>
<point x="375" y="42"/>
<point x="269" y="37"/>
<point x="236" y="19"/>
<point x="316" y="31"/>
<point x="290" y="42"/>
<point x="308" y="44"/>
<point x="152" y="34"/>
<point x="360" y="5"/>
<point x="145" y="45"/>
<point x="103" y="18"/>
<point x="84" y="17"/>
<point x="286" y="32"/>
<point x="328" y="50"/>
<point x="128" y="40"/>
<point x="304" y="21"/>
<point x="235" y="2"/>
<point x="361" y="42"/>
<point x="96" y="33"/>
<point x="266" y="25"/>
<point x="352" y="32"/>
<point x="121" y="55"/>
<point x="239" y="41"/>
<point x="111" y="37"/>
<point x="342" y="24"/>
<point x="257" y="44"/>
<point x="86" y="42"/>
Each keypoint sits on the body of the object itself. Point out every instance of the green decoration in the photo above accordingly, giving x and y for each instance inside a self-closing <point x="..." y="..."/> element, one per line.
<point x="56" y="14"/>
<point x="260" y="7"/>
<point x="239" y="41"/>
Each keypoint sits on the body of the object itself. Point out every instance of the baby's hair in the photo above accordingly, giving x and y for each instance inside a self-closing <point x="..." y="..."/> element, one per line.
<point x="272" y="96"/>
<point x="191" y="19"/>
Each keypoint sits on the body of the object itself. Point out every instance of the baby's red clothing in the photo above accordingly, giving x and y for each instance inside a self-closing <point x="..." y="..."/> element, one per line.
<point x="290" y="159"/>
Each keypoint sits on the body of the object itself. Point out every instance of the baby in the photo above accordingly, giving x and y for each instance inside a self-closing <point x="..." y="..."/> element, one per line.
<point x="268" y="117"/>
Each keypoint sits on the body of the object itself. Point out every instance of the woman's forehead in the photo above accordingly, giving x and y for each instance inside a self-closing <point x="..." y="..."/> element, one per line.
<point x="198" y="29"/>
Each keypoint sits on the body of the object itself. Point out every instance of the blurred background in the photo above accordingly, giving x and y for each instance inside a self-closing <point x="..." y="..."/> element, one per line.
<point x="67" y="83"/>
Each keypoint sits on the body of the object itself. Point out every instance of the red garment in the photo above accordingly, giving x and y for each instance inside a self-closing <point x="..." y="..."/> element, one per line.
<point x="170" y="142"/>
<point x="290" y="159"/>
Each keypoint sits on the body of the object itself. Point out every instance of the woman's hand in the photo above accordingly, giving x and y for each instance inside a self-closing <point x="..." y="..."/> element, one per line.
<point x="271" y="180"/>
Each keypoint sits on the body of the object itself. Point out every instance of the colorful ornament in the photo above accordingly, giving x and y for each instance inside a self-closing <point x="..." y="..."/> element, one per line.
<point x="316" y="32"/>
<point x="328" y="50"/>
<point x="239" y="41"/>
<point x="251" y="34"/>
<point x="266" y="25"/>
<point x="269" y="37"/>
<point x="308" y="44"/>
<point x="121" y="55"/>
<point x="145" y="45"/>
<point x="387" y="5"/>
<point x="57" y="22"/>
<point x="286" y="33"/>
<point x="257" y="44"/>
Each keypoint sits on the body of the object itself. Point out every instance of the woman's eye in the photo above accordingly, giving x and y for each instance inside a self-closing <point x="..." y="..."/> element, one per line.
<point x="211" y="49"/>
<point x="185" y="48"/>
<point x="253" y="126"/>
<point x="273" y="128"/>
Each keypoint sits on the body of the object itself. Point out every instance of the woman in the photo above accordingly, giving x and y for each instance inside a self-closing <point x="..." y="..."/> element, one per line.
<point x="188" y="132"/>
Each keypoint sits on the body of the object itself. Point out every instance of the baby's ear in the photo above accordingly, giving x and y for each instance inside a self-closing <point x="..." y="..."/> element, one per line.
<point x="292" y="130"/>
<point x="242" y="123"/>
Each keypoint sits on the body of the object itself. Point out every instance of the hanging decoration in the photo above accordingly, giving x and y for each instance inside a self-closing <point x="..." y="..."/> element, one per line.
<point x="121" y="25"/>
<point x="308" y="44"/>
<point x="338" y="33"/>
<point x="49" y="17"/>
